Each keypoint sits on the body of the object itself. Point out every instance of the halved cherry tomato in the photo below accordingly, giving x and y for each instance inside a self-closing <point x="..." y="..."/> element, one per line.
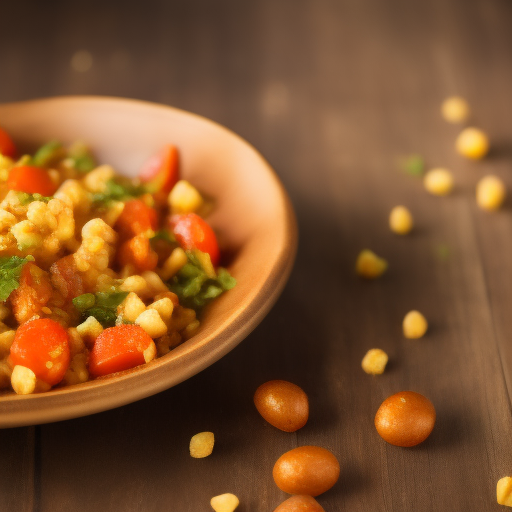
<point x="66" y="278"/>
<point x="7" y="147"/>
<point x="161" y="171"/>
<point x="193" y="232"/>
<point x="136" y="218"/>
<point x="32" y="294"/>
<point x="138" y="252"/>
<point x="119" y="348"/>
<point x="30" y="179"/>
<point x="43" y="346"/>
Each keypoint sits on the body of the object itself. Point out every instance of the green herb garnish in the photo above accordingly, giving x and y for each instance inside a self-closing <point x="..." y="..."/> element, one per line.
<point x="100" y="305"/>
<point x="195" y="288"/>
<point x="10" y="271"/>
<point x="116" y="191"/>
<point x="413" y="164"/>
<point x="26" y="198"/>
<point x="48" y="154"/>
<point x="81" y="157"/>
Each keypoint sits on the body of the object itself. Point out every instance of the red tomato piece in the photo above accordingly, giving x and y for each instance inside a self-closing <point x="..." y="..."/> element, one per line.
<point x="66" y="278"/>
<point x="119" y="348"/>
<point x="136" y="218"/>
<point x="32" y="294"/>
<point x="161" y="171"/>
<point x="7" y="147"/>
<point x="193" y="232"/>
<point x="30" y="179"/>
<point x="43" y="346"/>
<point x="138" y="252"/>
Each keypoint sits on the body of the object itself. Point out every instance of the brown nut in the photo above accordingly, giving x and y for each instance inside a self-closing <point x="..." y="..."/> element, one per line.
<point x="309" y="470"/>
<point x="283" y="404"/>
<point x="300" y="504"/>
<point x="405" y="419"/>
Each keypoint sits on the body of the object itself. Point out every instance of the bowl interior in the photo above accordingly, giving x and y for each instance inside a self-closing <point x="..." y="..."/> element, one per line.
<point x="253" y="218"/>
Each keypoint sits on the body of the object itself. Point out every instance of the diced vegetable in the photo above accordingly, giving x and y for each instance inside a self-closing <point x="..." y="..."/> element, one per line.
<point x="66" y="278"/>
<point x="138" y="252"/>
<point x="193" y="232"/>
<point x="101" y="305"/>
<point x="7" y="147"/>
<point x="117" y="191"/>
<point x="136" y="218"/>
<point x="120" y="348"/>
<point x="43" y="346"/>
<point x="32" y="294"/>
<point x="195" y="288"/>
<point x="30" y="179"/>
<point x="10" y="272"/>
<point x="48" y="154"/>
<point x="161" y="172"/>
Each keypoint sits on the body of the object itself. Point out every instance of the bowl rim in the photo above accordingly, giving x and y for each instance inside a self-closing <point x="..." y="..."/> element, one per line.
<point x="13" y="408"/>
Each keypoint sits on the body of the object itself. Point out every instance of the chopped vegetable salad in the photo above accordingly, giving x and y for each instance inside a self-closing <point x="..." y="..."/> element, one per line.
<point x="99" y="273"/>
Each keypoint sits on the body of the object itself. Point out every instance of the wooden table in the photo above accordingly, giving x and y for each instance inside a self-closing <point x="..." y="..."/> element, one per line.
<point x="332" y="93"/>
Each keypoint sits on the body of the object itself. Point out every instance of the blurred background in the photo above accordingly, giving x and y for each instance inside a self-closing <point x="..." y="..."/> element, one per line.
<point x="333" y="94"/>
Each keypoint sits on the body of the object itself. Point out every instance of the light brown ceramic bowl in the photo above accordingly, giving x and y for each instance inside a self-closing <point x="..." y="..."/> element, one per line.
<point x="253" y="217"/>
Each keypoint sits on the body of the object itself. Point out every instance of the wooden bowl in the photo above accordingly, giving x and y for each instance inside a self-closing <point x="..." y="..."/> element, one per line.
<point x="253" y="217"/>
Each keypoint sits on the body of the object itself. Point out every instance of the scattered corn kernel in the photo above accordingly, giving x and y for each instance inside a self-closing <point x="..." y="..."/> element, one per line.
<point x="6" y="339"/>
<point x="224" y="502"/>
<point x="504" y="491"/>
<point x="490" y="193"/>
<point x="150" y="353"/>
<point x="414" y="325"/>
<point x="400" y="220"/>
<point x="438" y="182"/>
<point x="455" y="109"/>
<point x="375" y="361"/>
<point x="369" y="265"/>
<point x="164" y="307"/>
<point x="184" y="198"/>
<point x="131" y="307"/>
<point x="23" y="380"/>
<point x="201" y="445"/>
<point x="90" y="329"/>
<point x="151" y="322"/>
<point x="173" y="263"/>
<point x="472" y="143"/>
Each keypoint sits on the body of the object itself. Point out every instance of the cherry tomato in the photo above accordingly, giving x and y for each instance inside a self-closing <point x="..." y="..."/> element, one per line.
<point x="405" y="419"/>
<point x="32" y="180"/>
<point x="136" y="218"/>
<point x="120" y="348"/>
<point x="43" y="346"/>
<point x="32" y="294"/>
<point x="193" y="232"/>
<point x="7" y="147"/>
<point x="161" y="171"/>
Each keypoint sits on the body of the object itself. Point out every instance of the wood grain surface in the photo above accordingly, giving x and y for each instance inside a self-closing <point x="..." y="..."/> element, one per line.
<point x="332" y="93"/>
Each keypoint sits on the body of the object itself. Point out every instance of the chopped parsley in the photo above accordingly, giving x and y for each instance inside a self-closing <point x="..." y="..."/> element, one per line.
<point x="10" y="271"/>
<point x="26" y="198"/>
<point x="117" y="191"/>
<point x="48" y="154"/>
<point x="100" y="305"/>
<point x="195" y="288"/>
<point x="81" y="157"/>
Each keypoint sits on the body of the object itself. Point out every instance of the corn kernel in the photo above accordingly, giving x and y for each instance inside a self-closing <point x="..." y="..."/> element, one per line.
<point x="173" y="263"/>
<point x="472" y="143"/>
<point x="504" y="491"/>
<point x="455" y="109"/>
<point x="164" y="307"/>
<point x="438" y="182"/>
<point x="136" y="284"/>
<point x="224" y="502"/>
<point x="369" y="265"/>
<point x="184" y="198"/>
<point x="23" y="380"/>
<point x="375" y="361"/>
<point x="90" y="329"/>
<point x="154" y="283"/>
<point x="400" y="220"/>
<point x="96" y="180"/>
<point x="6" y="339"/>
<point x="201" y="445"/>
<point x="151" y="322"/>
<point x="131" y="307"/>
<point x="150" y="353"/>
<point x="490" y="193"/>
<point x="414" y="325"/>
